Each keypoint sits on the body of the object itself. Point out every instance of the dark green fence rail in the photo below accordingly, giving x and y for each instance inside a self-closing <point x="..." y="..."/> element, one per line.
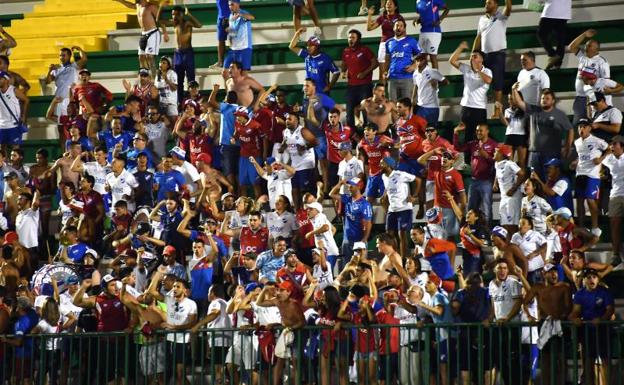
<point x="432" y="353"/>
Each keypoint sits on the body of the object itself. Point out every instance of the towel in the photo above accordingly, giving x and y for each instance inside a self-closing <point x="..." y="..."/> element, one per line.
<point x="282" y="346"/>
<point x="550" y="327"/>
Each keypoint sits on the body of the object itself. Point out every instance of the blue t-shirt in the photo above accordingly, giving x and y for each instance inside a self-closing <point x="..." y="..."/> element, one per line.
<point x="23" y="326"/>
<point x="321" y="110"/>
<point x="593" y="303"/>
<point x="125" y="138"/>
<point x="222" y="250"/>
<point x="429" y="12"/>
<point x="441" y="265"/>
<point x="474" y="308"/>
<point x="170" y="181"/>
<point x="226" y="129"/>
<point x="84" y="142"/>
<point x="77" y="252"/>
<point x="401" y="55"/>
<point x="440" y="299"/>
<point x="355" y="213"/>
<point x="127" y="122"/>
<point x="201" y="280"/>
<point x="132" y="155"/>
<point x="565" y="200"/>
<point x="318" y="68"/>
<point x="268" y="265"/>
<point x="223" y="9"/>
<point x="144" y="194"/>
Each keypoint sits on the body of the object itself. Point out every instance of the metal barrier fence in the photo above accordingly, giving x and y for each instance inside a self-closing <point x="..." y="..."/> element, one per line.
<point x="413" y="355"/>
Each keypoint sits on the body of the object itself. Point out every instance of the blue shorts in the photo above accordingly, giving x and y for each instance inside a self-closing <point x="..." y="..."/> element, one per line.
<point x="247" y="174"/>
<point x="303" y="179"/>
<point x="431" y="115"/>
<point x="587" y="187"/>
<point x="320" y="150"/>
<point x="241" y="55"/>
<point x="399" y="221"/>
<point x="375" y="186"/>
<point x="221" y="33"/>
<point x="296" y="3"/>
<point x="411" y="166"/>
<point x="12" y="136"/>
<point x="229" y="162"/>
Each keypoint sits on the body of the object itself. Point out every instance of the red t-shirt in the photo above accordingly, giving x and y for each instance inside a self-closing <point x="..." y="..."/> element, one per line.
<point x="358" y="60"/>
<point x="145" y="94"/>
<point x="450" y="180"/>
<point x="254" y="242"/>
<point x="250" y="138"/>
<point x="95" y="93"/>
<point x="110" y="313"/>
<point x="264" y="116"/>
<point x="385" y="318"/>
<point x="365" y="341"/>
<point x="331" y="340"/>
<point x="277" y="135"/>
<point x="198" y="144"/>
<point x="411" y="135"/>
<point x="299" y="274"/>
<point x="91" y="201"/>
<point x="434" y="161"/>
<point x="376" y="151"/>
<point x="387" y="25"/>
<point x="568" y="240"/>
<point x="334" y="139"/>
<point x="305" y="226"/>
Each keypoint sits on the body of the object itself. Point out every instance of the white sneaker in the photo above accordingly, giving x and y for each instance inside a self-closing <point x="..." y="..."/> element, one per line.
<point x="318" y="32"/>
<point x="596" y="231"/>
<point x="363" y="11"/>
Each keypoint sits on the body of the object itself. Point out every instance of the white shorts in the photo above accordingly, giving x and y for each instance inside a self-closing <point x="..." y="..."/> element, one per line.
<point x="61" y="108"/>
<point x="509" y="210"/>
<point x="152" y="358"/>
<point x="429" y="42"/>
<point x="169" y="109"/>
<point x="153" y="43"/>
<point x="242" y="353"/>
<point x="381" y="52"/>
<point x="429" y="190"/>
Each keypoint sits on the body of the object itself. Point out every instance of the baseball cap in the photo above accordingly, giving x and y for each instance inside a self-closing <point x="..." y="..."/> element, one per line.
<point x="315" y="205"/>
<point x="549" y="266"/>
<point x="354" y="182"/>
<point x="390" y="162"/>
<point x="589" y="73"/>
<point x="314" y="40"/>
<point x="169" y="250"/>
<point x="433" y="214"/>
<point x="271" y="98"/>
<point x="226" y="195"/>
<point x="144" y="71"/>
<point x="85" y="71"/>
<point x="270" y="160"/>
<point x="10" y="237"/>
<point x="286" y="285"/>
<point x="241" y="111"/>
<point x="289" y="252"/>
<point x="251" y="287"/>
<point x="553" y="162"/>
<point x="500" y="232"/>
<point x="359" y="246"/>
<point x="583" y="122"/>
<point x="108" y="278"/>
<point x="5" y="75"/>
<point x="505" y="149"/>
<point x="564" y="212"/>
<point x="10" y="174"/>
<point x="587" y="272"/>
<point x="345" y="146"/>
<point x="317" y="251"/>
<point x="618" y="139"/>
<point x="72" y="280"/>
<point x="203" y="157"/>
<point x="167" y="59"/>
<point x="193" y="84"/>
<point x="177" y="151"/>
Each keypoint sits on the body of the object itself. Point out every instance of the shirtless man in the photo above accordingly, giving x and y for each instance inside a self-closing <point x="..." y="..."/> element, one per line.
<point x="15" y="188"/>
<point x="243" y="84"/>
<point x="392" y="260"/>
<point x="291" y="312"/>
<point x="6" y="42"/>
<point x="148" y="12"/>
<point x="377" y="109"/>
<point x="554" y="301"/>
<point x="508" y="251"/>
<point x="9" y="274"/>
<point x="183" y="57"/>
<point x="64" y="164"/>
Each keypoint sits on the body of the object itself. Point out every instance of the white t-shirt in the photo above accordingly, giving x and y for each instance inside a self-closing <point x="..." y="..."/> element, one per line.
<point x="598" y="63"/>
<point x="349" y="169"/>
<point x="537" y="208"/>
<point x="398" y="190"/>
<point x="179" y="313"/>
<point x="610" y="115"/>
<point x="66" y="212"/>
<point x="222" y="321"/>
<point x="27" y="227"/>
<point x="46" y="328"/>
<point x="493" y="32"/>
<point x="616" y="166"/>
<point x="121" y="185"/>
<point x="98" y="172"/>
<point x="191" y="175"/>
<point x="528" y="243"/>
<point x="475" y="89"/>
<point x="64" y="77"/>
<point x="325" y="278"/>
<point x="427" y="93"/>
<point x="66" y="304"/>
<point x="167" y="95"/>
<point x="266" y="315"/>
<point x="588" y="150"/>
<point x="283" y="225"/>
<point x="302" y="161"/>
<point x="410" y="334"/>
<point x="325" y="239"/>
<point x="553" y="244"/>
<point x="278" y="183"/>
<point x="557" y="9"/>
<point x="506" y="174"/>
<point x="516" y="124"/>
<point x="532" y="82"/>
<point x="504" y="297"/>
<point x="600" y="86"/>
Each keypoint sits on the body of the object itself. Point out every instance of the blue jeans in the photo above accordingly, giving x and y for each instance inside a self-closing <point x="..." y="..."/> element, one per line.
<point x="183" y="64"/>
<point x="480" y="197"/>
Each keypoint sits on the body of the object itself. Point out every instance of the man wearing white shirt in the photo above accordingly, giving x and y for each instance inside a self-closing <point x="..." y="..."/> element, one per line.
<point x="425" y="92"/>
<point x="532" y="79"/>
<point x="349" y="167"/>
<point x="322" y="233"/>
<point x="65" y="75"/>
<point x="278" y="178"/>
<point x="607" y="120"/>
<point x="27" y="225"/>
<point x="594" y="84"/>
<point x="121" y="183"/>
<point x="591" y="151"/>
<point x="492" y="40"/>
<point x="477" y="80"/>
<point x="615" y="163"/>
<point x="509" y="178"/>
<point x="399" y="215"/>
<point x="190" y="173"/>
<point x="98" y="168"/>
<point x="554" y="20"/>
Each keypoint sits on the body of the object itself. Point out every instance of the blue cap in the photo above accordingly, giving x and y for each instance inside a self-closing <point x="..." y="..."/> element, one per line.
<point x="432" y="214"/>
<point x="252" y="286"/>
<point x="72" y="280"/>
<point x="270" y="160"/>
<point x="553" y="162"/>
<point x="345" y="146"/>
<point x="271" y="98"/>
<point x="4" y="74"/>
<point x="390" y="162"/>
<point x="177" y="151"/>
<point x="500" y="232"/>
<point x="354" y="182"/>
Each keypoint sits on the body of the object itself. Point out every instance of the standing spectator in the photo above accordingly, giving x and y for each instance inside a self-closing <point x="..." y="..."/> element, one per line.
<point x="477" y="80"/>
<point x="91" y="96"/>
<point x="121" y="183"/>
<point x="27" y="223"/>
<point x="144" y="89"/>
<point x="270" y="261"/>
<point x="223" y="22"/>
<point x="350" y="167"/>
<point x="188" y="171"/>
<point x="335" y="134"/>
<point x="322" y="232"/>
<point x="98" y="168"/>
<point x="430" y="19"/>
<point x="557" y="188"/>
<point x="26" y="320"/>
<point x="554" y="20"/>
<point x="516" y="136"/>
<point x="545" y="135"/>
<point x="533" y="247"/>
<point x="425" y="93"/>
<point x="12" y="114"/>
<point x="278" y="178"/>
<point x="244" y="85"/>
<point x="156" y="126"/>
<point x="509" y="178"/>
<point x="432" y="141"/>
<point x="202" y="272"/>
<point x="535" y="206"/>
<point x="533" y="80"/>
<point x="594" y="84"/>
<point x="64" y="75"/>
<point x="589" y="57"/>
<point x="167" y="84"/>
<point x="607" y="120"/>
<point x="239" y="35"/>
<point x="6" y="42"/>
<point x="492" y="40"/>
<point x="473" y="237"/>
<point x="308" y="7"/>
<point x="400" y="52"/>
<point x="377" y="110"/>
<point x="281" y="222"/>
<point x="615" y="163"/>
<point x="230" y="152"/>
<point x="482" y="168"/>
<point x="318" y="64"/>
<point x="372" y="149"/>
<point x="411" y="131"/>
<point x="251" y="137"/>
<point x="358" y="63"/>
<point x="388" y="15"/>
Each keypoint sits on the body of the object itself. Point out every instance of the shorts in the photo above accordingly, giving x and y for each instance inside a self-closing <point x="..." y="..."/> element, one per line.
<point x="320" y="150"/>
<point x="153" y="43"/>
<point x="449" y="222"/>
<point x="180" y="352"/>
<point x="221" y="32"/>
<point x="616" y="207"/>
<point x="381" y="52"/>
<point x="247" y="174"/>
<point x="229" y="159"/>
<point x="240" y="55"/>
<point x="431" y="114"/>
<point x="152" y="359"/>
<point x="365" y="356"/>
<point x="242" y="352"/>
<point x="495" y="61"/>
<point x="516" y="140"/>
<point x="429" y="42"/>
<point x="399" y="221"/>
<point x="375" y="186"/>
<point x="296" y="3"/>
<point x="411" y="166"/>
<point x="169" y="109"/>
<point x="388" y="366"/>
<point x="10" y="136"/>
<point x="586" y="187"/>
<point x="429" y="190"/>
<point x="303" y="179"/>
<point x="509" y="210"/>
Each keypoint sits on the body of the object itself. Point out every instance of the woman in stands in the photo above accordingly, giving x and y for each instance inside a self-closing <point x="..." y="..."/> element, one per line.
<point x="535" y="206"/>
<point x="386" y="21"/>
<point x="473" y="237"/>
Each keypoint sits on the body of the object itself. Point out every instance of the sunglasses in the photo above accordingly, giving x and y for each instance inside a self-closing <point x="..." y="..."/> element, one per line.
<point x="176" y="307"/>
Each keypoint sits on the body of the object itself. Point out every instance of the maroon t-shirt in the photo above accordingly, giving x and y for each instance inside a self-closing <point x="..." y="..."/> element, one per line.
<point x="357" y="60"/>
<point x="111" y="314"/>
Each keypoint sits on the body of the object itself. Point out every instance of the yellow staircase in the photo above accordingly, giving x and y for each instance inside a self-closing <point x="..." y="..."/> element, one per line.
<point x="62" y="23"/>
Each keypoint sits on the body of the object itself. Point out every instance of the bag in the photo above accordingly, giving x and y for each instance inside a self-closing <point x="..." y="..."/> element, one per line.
<point x="145" y="38"/>
<point x="533" y="5"/>
<point x="21" y="126"/>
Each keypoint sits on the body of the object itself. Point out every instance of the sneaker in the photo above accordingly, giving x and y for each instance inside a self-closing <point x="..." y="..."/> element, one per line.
<point x="318" y="32"/>
<point x="363" y="11"/>
<point x="553" y="62"/>
<point x="216" y="67"/>
<point x="596" y="231"/>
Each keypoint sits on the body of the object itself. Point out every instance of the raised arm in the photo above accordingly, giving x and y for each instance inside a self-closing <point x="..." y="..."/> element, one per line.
<point x="454" y="59"/>
<point x="575" y="45"/>
<point x="515" y="96"/>
<point x="292" y="46"/>
<point x="79" y="300"/>
<point x="212" y="99"/>
<point x="507" y="10"/>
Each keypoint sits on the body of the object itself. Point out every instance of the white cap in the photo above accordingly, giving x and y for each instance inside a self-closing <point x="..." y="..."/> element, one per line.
<point x="315" y="205"/>
<point x="359" y="246"/>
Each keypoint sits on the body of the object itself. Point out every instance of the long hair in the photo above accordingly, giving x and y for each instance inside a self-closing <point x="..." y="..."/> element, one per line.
<point x="332" y="301"/>
<point x="50" y="312"/>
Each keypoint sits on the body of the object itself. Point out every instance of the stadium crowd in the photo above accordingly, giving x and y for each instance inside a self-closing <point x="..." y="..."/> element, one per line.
<point x="234" y="226"/>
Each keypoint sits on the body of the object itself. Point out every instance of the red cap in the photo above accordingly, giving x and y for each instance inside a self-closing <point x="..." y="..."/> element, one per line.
<point x="206" y="158"/>
<point x="286" y="285"/>
<point x="241" y="111"/>
<point x="589" y="73"/>
<point x="169" y="250"/>
<point x="433" y="277"/>
<point x="505" y="149"/>
<point x="10" y="237"/>
<point x="314" y="40"/>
